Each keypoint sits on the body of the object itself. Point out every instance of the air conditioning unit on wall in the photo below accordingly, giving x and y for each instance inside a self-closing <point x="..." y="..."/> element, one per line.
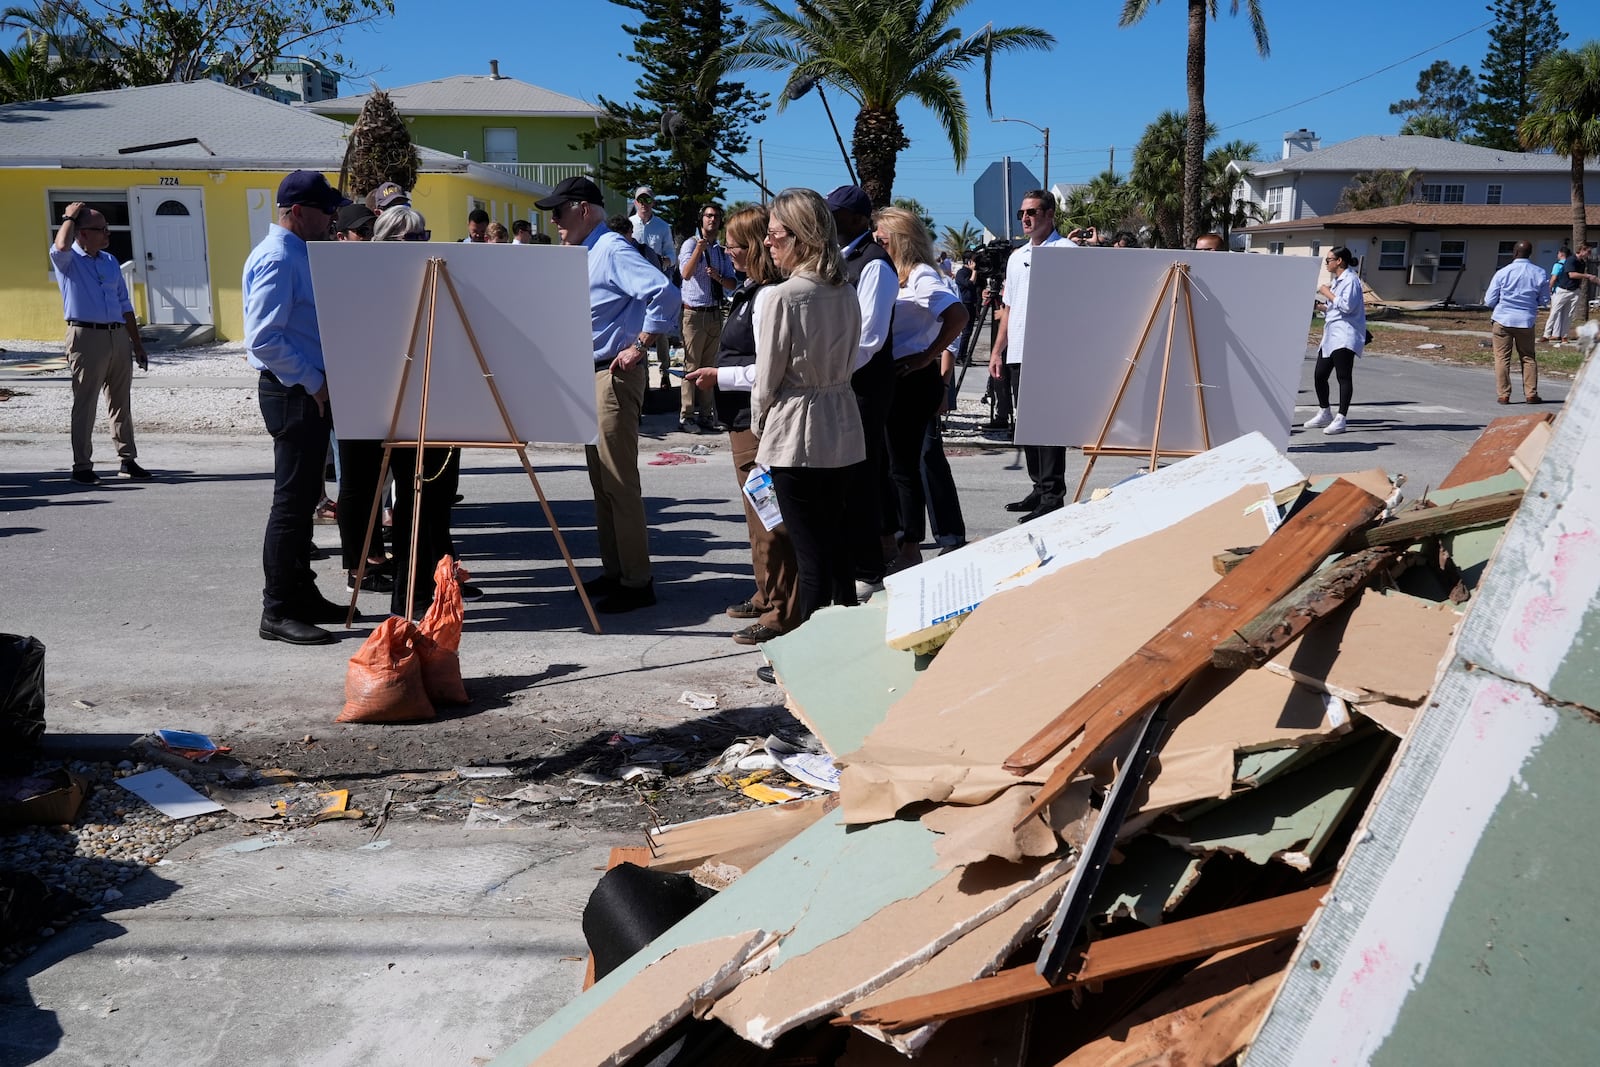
<point x="1425" y="270"/>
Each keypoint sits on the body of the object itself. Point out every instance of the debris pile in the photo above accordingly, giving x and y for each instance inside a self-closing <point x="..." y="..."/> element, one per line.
<point x="1097" y="776"/>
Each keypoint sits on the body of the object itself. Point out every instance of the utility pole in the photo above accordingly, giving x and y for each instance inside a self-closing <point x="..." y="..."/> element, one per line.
<point x="761" y="167"/>
<point x="1044" y="130"/>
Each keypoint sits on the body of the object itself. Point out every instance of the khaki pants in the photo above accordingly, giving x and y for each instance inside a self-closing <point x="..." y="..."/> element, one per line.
<point x="771" y="554"/>
<point x="614" y="475"/>
<point x="100" y="360"/>
<point x="1503" y="338"/>
<point x="702" y="330"/>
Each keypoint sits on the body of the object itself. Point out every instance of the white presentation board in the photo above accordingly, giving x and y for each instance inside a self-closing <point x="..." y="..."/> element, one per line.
<point x="529" y="310"/>
<point x="1086" y="309"/>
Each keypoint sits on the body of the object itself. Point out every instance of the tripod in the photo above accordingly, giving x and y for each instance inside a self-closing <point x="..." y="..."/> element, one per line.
<point x="985" y="317"/>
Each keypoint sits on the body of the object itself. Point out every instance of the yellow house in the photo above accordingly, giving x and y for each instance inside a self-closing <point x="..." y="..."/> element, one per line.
<point x="186" y="175"/>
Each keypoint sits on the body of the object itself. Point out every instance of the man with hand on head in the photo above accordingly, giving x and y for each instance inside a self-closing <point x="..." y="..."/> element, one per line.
<point x="631" y="303"/>
<point x="651" y="233"/>
<point x="707" y="274"/>
<point x="285" y="345"/>
<point x="102" y="342"/>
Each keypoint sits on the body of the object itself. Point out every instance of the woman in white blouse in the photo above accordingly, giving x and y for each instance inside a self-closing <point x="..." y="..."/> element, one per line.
<point x="1344" y="333"/>
<point x="928" y="317"/>
<point x="802" y="406"/>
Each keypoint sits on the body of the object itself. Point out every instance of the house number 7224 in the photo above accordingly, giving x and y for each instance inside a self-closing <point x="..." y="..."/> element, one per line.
<point x="169" y="181"/>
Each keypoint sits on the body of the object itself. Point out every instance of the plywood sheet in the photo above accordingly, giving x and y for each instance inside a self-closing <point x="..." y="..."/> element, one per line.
<point x="1250" y="313"/>
<point x="1491" y="453"/>
<point x="1388" y="647"/>
<point x="947" y="738"/>
<point x="651" y="1002"/>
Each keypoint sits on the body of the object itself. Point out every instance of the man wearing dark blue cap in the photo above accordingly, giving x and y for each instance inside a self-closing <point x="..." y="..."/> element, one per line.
<point x="285" y="346"/>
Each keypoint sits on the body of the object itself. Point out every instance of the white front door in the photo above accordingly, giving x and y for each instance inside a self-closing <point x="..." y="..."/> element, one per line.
<point x="177" y="280"/>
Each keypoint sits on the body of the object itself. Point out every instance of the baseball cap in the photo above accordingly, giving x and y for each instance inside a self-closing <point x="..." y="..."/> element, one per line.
<point x="576" y="187"/>
<point x="389" y="194"/>
<point x="851" y="198"/>
<point x="354" y="217"/>
<point x="309" y="187"/>
<point x="644" y="192"/>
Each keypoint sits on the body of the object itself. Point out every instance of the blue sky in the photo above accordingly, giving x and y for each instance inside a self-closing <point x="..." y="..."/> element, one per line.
<point x="1096" y="90"/>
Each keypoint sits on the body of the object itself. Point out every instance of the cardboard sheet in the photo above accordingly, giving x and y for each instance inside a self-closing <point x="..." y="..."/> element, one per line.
<point x="1025" y="655"/>
<point x="926" y="602"/>
<point x="528" y="308"/>
<point x="652" y="1002"/>
<point x="1388" y="647"/>
<point x="972" y="834"/>
<point x="1085" y="316"/>
<point x="798" y="988"/>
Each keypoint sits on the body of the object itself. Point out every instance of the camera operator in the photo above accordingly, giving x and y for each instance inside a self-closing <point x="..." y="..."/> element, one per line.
<point x="1047" y="465"/>
<point x="1087" y="237"/>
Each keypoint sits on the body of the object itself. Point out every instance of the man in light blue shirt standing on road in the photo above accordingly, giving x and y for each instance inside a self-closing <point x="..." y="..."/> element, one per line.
<point x="1516" y="292"/>
<point x="631" y="303"/>
<point x="285" y="346"/>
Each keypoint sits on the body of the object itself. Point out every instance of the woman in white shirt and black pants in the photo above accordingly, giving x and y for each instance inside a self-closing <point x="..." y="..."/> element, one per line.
<point x="928" y="317"/>
<point x="1344" y="333"/>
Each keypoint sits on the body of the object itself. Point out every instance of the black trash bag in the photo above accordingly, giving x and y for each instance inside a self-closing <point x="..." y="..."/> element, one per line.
<point x="21" y="697"/>
<point x="632" y="906"/>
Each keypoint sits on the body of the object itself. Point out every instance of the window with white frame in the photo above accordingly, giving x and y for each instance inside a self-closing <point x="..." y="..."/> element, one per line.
<point x="1274" y="203"/>
<point x="1391" y="255"/>
<point x="499" y="144"/>
<point x="1452" y="255"/>
<point x="1433" y="193"/>
<point x="1275" y="248"/>
<point x="114" y="206"/>
<point x="1494" y="193"/>
<point x="1316" y="249"/>
<point x="1504" y="253"/>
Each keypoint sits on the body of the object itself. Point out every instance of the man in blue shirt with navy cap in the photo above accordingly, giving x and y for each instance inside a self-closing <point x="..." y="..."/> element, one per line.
<point x="285" y="345"/>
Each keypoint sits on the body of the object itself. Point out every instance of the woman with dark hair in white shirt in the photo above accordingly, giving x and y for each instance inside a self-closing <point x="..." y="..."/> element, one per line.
<point x="1344" y="334"/>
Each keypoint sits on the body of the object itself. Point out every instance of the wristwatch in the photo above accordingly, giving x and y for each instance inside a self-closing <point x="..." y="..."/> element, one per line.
<point x="638" y="344"/>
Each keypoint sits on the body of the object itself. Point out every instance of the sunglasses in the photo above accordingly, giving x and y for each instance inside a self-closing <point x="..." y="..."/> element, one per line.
<point x="419" y="235"/>
<point x="1030" y="212"/>
<point x="778" y="235"/>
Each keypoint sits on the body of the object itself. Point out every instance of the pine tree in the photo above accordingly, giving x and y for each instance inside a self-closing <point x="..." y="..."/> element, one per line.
<point x="690" y="133"/>
<point x="380" y="149"/>
<point x="1524" y="32"/>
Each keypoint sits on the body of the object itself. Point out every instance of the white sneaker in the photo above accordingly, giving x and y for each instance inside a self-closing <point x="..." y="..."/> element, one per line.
<point x="1336" y="426"/>
<point x="1319" y="420"/>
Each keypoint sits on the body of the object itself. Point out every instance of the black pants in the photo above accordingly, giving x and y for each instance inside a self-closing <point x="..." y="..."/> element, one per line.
<point x="359" y="463"/>
<point x="916" y="401"/>
<point x="1047" y="466"/>
<point x="1004" y="391"/>
<point x="1342" y="363"/>
<point x="874" y="388"/>
<point x="299" y="450"/>
<point x="944" y="506"/>
<point x="441" y="472"/>
<point x="812" y="500"/>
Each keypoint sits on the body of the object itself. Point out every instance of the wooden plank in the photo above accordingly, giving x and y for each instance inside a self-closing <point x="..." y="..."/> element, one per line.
<point x="1429" y="522"/>
<point x="1491" y="453"/>
<point x="1317" y="597"/>
<point x="1183" y="649"/>
<point x="1142" y="950"/>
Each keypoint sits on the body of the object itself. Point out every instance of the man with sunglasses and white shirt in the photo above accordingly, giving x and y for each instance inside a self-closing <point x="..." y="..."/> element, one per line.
<point x="102" y="343"/>
<point x="631" y="303"/>
<point x="1047" y="464"/>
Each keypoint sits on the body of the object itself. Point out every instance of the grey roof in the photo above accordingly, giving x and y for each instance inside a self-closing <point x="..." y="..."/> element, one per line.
<point x="1393" y="152"/>
<point x="190" y="125"/>
<point x="469" y="94"/>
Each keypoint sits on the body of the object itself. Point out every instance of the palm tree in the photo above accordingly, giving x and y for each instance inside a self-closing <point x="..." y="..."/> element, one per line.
<point x="1225" y="210"/>
<point x="1566" y="117"/>
<point x="1195" y="146"/>
<point x="913" y="205"/>
<point x="1105" y="203"/>
<point x="957" y="239"/>
<point x="1159" y="176"/>
<point x="878" y="53"/>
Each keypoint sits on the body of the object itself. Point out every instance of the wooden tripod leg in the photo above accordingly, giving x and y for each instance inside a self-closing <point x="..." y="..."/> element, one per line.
<point x="1179" y="275"/>
<point x="1194" y="350"/>
<point x="422" y="445"/>
<point x="561" y="542"/>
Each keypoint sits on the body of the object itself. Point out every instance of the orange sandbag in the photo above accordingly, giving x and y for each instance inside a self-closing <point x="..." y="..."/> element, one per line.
<point x="443" y="620"/>
<point x="441" y="672"/>
<point x="384" y="680"/>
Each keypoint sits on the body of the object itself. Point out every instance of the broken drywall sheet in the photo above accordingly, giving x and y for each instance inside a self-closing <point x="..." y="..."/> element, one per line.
<point x="926" y="601"/>
<point x="825" y="882"/>
<point x="1388" y="647"/>
<point x="1292" y="818"/>
<point x="973" y="834"/>
<point x="653" y="1001"/>
<point x="840" y="676"/>
<point x="1028" y="653"/>
<point x="1470" y="549"/>
<point x="1152" y="878"/>
<point x="799" y="987"/>
<point x="976" y="954"/>
<point x="1396" y="718"/>
<point x="739" y="838"/>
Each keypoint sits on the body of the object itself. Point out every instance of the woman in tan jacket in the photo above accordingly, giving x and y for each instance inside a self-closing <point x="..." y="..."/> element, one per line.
<point x="802" y="407"/>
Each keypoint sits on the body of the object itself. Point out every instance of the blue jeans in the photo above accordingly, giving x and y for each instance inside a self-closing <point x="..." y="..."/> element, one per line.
<point x="299" y="448"/>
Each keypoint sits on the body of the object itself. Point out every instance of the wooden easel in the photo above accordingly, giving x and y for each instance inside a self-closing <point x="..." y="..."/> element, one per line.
<point x="437" y="270"/>
<point x="1177" y="284"/>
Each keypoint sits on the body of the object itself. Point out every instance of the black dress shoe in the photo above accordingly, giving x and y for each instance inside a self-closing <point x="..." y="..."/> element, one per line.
<point x="756" y="634"/>
<point x="374" y="581"/>
<point x="1042" y="509"/>
<point x="86" y="477"/>
<point x="1027" y="503"/>
<point x="766" y="675"/>
<point x="627" y="598"/>
<point x="745" y="610"/>
<point x="293" y="631"/>
<point x="600" y="585"/>
<point x="317" y="552"/>
<point x="130" y="469"/>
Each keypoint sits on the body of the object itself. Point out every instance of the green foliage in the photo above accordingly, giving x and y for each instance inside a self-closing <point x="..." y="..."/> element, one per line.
<point x="911" y="204"/>
<point x="672" y="42"/>
<point x="1106" y="202"/>
<point x="1225" y="210"/>
<point x="1444" y="104"/>
<point x="1370" y="189"/>
<point x="51" y="59"/>
<point x="878" y="53"/>
<point x="1157" y="178"/>
<point x="148" y="42"/>
<point x="1524" y="32"/>
<point x="380" y="149"/>
<point x="1565" y="117"/>
<point x="957" y="239"/>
